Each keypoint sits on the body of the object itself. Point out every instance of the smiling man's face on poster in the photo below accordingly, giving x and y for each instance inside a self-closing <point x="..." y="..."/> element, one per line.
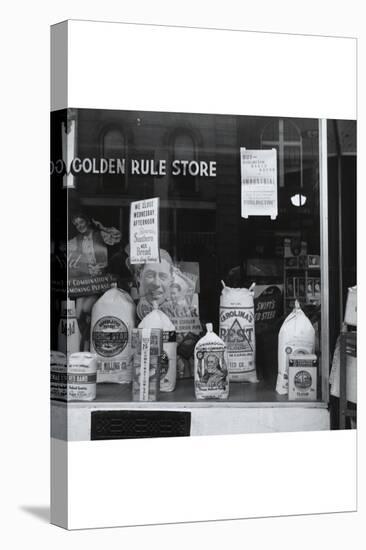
<point x="155" y="281"/>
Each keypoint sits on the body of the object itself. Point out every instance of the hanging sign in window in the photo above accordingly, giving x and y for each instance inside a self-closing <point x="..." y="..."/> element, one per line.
<point x="258" y="182"/>
<point x="144" y="232"/>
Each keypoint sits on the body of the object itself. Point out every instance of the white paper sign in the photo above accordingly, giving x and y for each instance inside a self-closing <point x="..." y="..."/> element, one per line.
<point x="258" y="182"/>
<point x="144" y="231"/>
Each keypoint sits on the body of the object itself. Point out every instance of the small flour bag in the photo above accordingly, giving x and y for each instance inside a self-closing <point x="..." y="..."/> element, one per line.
<point x="296" y="336"/>
<point x="168" y="359"/>
<point x="237" y="331"/>
<point x="113" y="318"/>
<point x="211" y="377"/>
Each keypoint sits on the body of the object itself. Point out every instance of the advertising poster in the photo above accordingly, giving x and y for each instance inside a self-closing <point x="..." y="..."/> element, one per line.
<point x="144" y="231"/>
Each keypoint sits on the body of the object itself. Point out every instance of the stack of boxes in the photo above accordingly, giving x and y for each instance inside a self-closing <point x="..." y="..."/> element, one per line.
<point x="301" y="274"/>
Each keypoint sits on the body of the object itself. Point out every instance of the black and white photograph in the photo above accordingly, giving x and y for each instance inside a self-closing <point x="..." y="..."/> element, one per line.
<point x="204" y="267"/>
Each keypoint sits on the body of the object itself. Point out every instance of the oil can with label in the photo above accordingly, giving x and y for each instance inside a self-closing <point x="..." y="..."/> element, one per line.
<point x="302" y="377"/>
<point x="68" y="336"/>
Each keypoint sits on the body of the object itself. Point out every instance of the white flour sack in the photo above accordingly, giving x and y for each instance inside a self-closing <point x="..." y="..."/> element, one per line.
<point x="297" y="335"/>
<point x="211" y="379"/>
<point x="237" y="331"/>
<point x="168" y="360"/>
<point x="113" y="318"/>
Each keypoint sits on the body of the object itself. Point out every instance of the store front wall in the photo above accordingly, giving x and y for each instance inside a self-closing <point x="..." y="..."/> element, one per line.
<point x="201" y="224"/>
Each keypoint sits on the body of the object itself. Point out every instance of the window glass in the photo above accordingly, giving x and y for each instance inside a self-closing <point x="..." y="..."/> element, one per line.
<point x="113" y="147"/>
<point x="192" y="163"/>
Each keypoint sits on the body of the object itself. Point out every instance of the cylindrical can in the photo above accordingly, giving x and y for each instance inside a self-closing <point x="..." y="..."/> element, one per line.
<point x="58" y="375"/>
<point x="81" y="376"/>
<point x="68" y="334"/>
<point x="147" y="347"/>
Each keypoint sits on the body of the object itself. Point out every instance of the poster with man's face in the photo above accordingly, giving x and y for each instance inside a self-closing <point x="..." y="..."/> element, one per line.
<point x="155" y="281"/>
<point x="174" y="289"/>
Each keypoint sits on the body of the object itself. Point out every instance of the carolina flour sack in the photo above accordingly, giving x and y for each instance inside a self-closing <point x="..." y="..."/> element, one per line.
<point x="168" y="359"/>
<point x="237" y="331"/>
<point x="113" y="318"/>
<point x="297" y="335"/>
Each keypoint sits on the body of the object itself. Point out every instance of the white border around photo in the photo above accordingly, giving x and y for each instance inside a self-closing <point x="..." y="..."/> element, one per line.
<point x="25" y="177"/>
<point x="207" y="71"/>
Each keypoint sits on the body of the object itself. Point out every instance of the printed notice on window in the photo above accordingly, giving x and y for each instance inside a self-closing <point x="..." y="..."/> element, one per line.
<point x="258" y="182"/>
<point x="144" y="232"/>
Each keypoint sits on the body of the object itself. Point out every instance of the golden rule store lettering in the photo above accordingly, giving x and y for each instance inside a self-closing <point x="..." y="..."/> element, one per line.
<point x="137" y="167"/>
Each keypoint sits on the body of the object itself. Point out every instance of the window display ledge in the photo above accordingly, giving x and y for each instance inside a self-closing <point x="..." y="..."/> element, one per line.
<point x="266" y="412"/>
<point x="241" y="395"/>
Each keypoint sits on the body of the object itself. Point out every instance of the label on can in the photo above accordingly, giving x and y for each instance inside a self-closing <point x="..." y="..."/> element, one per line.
<point x="147" y="350"/>
<point x="145" y="364"/>
<point x="81" y="377"/>
<point x="58" y="375"/>
<point x="303" y="380"/>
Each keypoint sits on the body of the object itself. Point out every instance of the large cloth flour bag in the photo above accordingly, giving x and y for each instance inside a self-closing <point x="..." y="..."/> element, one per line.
<point x="297" y="335"/>
<point x="237" y="331"/>
<point x="113" y="318"/>
<point x="168" y="360"/>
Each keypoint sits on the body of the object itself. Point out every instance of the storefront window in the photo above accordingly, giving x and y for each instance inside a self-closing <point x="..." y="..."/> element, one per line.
<point x="183" y="148"/>
<point x="285" y="136"/>
<point x="205" y="241"/>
